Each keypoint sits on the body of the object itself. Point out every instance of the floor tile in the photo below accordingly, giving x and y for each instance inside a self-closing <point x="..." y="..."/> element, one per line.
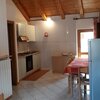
<point x="50" y="86"/>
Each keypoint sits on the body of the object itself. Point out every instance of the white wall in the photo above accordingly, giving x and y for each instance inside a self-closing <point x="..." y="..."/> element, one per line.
<point x="13" y="14"/>
<point x="3" y="29"/>
<point x="58" y="40"/>
<point x="85" y="24"/>
<point x="5" y="67"/>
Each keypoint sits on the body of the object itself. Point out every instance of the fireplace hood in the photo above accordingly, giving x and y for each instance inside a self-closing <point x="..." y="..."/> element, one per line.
<point x="23" y="39"/>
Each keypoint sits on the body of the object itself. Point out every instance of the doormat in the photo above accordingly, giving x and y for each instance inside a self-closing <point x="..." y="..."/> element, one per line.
<point x="36" y="75"/>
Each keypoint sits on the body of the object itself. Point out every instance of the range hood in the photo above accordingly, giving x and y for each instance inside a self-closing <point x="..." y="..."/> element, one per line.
<point x="23" y="39"/>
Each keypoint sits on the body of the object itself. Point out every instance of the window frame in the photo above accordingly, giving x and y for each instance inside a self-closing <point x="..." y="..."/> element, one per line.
<point x="79" y="41"/>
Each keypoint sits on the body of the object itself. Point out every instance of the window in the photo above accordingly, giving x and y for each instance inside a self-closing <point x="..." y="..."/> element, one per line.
<point x="83" y="37"/>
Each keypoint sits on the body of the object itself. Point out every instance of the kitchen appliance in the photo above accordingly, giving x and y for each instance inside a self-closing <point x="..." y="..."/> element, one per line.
<point x="23" y="38"/>
<point x="29" y="63"/>
<point x="94" y="68"/>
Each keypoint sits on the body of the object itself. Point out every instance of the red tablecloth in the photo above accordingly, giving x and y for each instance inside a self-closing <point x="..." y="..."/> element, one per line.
<point x="72" y="68"/>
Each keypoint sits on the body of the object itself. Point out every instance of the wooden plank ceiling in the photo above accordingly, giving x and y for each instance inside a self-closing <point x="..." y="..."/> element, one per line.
<point x="41" y="9"/>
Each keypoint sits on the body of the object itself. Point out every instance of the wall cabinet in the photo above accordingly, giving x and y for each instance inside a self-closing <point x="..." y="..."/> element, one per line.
<point x="30" y="30"/>
<point x="21" y="29"/>
<point x="26" y="30"/>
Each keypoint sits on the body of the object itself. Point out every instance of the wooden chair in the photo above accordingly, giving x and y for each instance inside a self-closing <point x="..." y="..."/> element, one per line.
<point x="83" y="80"/>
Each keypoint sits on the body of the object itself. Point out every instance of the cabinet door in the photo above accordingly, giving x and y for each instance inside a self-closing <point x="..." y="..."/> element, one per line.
<point x="22" y="67"/>
<point x="21" y="29"/>
<point x="38" y="61"/>
<point x="34" y="61"/>
<point x="30" y="30"/>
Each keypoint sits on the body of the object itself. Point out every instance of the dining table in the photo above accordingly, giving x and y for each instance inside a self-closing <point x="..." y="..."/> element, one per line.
<point x="72" y="70"/>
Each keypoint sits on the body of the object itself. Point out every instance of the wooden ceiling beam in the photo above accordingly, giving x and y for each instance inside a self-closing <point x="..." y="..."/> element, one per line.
<point x="43" y="15"/>
<point x="59" y="6"/>
<point x="20" y="7"/>
<point x="81" y="8"/>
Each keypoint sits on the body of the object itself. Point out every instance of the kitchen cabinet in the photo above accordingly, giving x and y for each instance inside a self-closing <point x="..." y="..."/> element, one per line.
<point x="21" y="29"/>
<point x="30" y="30"/>
<point x="36" y="61"/>
<point x="22" y="66"/>
<point x="26" y="30"/>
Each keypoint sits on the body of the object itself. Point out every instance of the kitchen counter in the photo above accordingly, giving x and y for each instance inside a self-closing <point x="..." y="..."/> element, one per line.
<point x="24" y="53"/>
<point x="3" y="57"/>
<point x="28" y="62"/>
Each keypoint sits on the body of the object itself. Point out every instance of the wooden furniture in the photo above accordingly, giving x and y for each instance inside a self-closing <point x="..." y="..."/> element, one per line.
<point x="59" y="62"/>
<point x="82" y="79"/>
<point x="72" y="70"/>
<point x="1" y="97"/>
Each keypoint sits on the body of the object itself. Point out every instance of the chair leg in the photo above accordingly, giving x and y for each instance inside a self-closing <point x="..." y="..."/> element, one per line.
<point x="85" y="87"/>
<point x="84" y="90"/>
<point x="70" y="84"/>
<point x="80" y="92"/>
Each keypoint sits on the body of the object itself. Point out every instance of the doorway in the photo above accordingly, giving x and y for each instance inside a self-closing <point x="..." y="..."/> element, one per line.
<point x="12" y="51"/>
<point x="83" y="36"/>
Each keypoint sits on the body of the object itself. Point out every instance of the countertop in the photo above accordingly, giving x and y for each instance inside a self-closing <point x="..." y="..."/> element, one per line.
<point x="23" y="53"/>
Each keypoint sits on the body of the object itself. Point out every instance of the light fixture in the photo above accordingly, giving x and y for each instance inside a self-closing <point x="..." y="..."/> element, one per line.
<point x="49" y="22"/>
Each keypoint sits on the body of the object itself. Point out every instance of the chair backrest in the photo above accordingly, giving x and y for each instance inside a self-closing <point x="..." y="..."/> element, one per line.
<point x="70" y="58"/>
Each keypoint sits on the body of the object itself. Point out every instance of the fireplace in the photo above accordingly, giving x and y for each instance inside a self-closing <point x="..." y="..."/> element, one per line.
<point x="29" y="63"/>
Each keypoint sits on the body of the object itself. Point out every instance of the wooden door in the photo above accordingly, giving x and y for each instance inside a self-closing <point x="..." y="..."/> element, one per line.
<point x="12" y="51"/>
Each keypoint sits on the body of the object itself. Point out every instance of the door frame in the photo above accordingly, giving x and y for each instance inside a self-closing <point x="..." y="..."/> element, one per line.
<point x="79" y="42"/>
<point x="13" y="52"/>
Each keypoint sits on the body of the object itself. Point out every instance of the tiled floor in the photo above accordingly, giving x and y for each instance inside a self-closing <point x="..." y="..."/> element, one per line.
<point x="48" y="87"/>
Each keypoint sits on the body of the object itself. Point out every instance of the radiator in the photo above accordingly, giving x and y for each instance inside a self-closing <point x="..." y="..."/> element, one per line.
<point x="5" y="78"/>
